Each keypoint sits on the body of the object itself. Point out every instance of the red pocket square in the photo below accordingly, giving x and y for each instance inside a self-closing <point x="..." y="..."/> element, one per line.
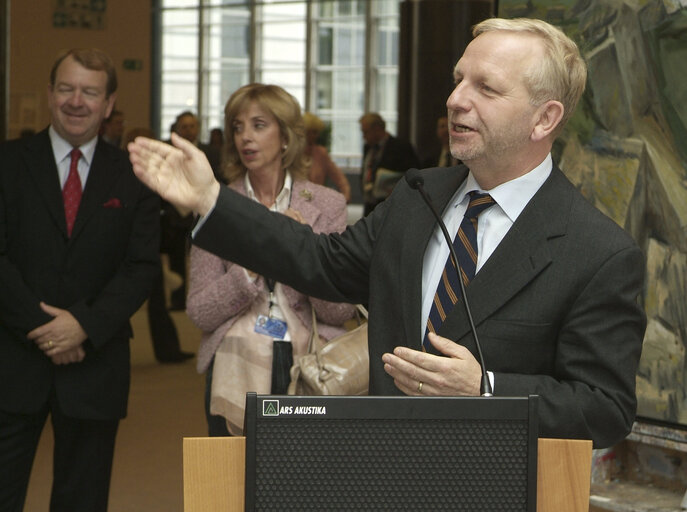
<point x="112" y="203"/>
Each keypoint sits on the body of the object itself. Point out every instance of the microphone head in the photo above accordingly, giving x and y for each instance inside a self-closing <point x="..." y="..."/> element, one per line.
<point x="414" y="179"/>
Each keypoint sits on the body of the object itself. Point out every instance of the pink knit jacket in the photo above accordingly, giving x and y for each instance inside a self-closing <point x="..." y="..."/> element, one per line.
<point x="220" y="291"/>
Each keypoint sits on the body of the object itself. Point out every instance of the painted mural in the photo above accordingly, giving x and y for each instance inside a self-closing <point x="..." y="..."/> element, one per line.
<point x="626" y="150"/>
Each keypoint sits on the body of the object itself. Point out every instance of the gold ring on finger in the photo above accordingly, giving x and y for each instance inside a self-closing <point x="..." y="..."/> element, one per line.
<point x="419" y="387"/>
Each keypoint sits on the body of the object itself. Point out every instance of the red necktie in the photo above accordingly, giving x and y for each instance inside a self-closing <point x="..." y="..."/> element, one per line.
<point x="71" y="193"/>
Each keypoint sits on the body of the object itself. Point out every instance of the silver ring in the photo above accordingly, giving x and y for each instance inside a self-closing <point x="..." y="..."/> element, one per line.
<point x="419" y="387"/>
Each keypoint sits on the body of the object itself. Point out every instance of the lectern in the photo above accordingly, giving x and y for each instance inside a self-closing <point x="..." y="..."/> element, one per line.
<point x="214" y="474"/>
<point x="378" y="453"/>
<point x="215" y="468"/>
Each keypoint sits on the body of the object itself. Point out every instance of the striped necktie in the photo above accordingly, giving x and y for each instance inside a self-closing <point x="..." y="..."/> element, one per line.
<point x="465" y="246"/>
<point x="71" y="192"/>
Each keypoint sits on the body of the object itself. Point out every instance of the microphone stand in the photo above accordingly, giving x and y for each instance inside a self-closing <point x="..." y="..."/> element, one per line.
<point x="415" y="181"/>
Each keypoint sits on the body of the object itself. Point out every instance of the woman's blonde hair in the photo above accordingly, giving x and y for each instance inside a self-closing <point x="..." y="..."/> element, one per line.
<point x="560" y="76"/>
<point x="286" y="110"/>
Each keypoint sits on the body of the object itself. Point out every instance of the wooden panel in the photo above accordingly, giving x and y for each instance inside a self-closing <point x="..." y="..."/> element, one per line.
<point x="214" y="474"/>
<point x="563" y="475"/>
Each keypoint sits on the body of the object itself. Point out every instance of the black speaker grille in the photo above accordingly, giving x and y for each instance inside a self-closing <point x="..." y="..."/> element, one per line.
<point x="391" y="465"/>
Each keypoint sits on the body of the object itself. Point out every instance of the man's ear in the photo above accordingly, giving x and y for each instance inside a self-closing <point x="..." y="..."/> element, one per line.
<point x="549" y="116"/>
<point x="110" y="104"/>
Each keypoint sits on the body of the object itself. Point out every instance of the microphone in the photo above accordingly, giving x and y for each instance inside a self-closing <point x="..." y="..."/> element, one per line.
<point x="416" y="181"/>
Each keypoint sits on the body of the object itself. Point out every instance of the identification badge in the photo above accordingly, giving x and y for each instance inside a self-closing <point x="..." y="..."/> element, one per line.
<point x="272" y="327"/>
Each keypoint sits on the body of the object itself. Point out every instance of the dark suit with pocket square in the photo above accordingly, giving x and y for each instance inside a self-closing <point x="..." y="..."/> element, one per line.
<point x="101" y="274"/>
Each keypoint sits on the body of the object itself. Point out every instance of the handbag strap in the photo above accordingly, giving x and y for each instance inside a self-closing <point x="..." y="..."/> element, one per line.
<point x="315" y="344"/>
<point x="314" y="335"/>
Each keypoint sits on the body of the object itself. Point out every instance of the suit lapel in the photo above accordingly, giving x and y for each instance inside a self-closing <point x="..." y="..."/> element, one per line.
<point x="40" y="163"/>
<point x="522" y="255"/>
<point x="440" y="185"/>
<point x="101" y="177"/>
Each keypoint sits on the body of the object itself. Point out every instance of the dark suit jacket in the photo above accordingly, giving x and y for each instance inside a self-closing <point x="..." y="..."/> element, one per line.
<point x="555" y="305"/>
<point x="102" y="275"/>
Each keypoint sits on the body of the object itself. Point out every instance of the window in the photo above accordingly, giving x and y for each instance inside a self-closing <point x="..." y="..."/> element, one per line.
<point x="339" y="58"/>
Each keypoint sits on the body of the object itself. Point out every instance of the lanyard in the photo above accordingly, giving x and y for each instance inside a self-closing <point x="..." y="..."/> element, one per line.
<point x="271" y="283"/>
<point x="270" y="286"/>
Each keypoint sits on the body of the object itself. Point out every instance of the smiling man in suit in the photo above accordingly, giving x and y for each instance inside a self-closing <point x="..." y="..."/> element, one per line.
<point x="555" y="285"/>
<point x="79" y="242"/>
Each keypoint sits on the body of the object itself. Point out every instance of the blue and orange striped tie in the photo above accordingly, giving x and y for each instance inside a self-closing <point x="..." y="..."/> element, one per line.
<point x="465" y="246"/>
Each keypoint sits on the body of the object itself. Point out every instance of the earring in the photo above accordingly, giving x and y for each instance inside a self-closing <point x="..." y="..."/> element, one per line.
<point x="283" y="148"/>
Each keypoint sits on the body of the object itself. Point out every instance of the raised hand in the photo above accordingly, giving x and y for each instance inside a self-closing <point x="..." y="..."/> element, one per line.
<point x="181" y="173"/>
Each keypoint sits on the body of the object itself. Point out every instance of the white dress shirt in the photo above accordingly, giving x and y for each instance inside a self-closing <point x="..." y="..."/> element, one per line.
<point x="62" y="149"/>
<point x="281" y="204"/>
<point x="492" y="225"/>
<point x="283" y="199"/>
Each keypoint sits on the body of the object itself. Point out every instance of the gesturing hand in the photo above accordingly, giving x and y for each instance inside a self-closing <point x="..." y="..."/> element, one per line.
<point x="456" y="373"/>
<point x="181" y="173"/>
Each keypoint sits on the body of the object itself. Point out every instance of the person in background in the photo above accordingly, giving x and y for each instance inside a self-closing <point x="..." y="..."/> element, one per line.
<point x="554" y="295"/>
<point x="216" y="139"/>
<point x="321" y="165"/>
<point x="112" y="129"/>
<point x="79" y="237"/>
<point x="264" y="160"/>
<point x="176" y="222"/>
<point x="382" y="151"/>
<point x="187" y="126"/>
<point x="163" y="331"/>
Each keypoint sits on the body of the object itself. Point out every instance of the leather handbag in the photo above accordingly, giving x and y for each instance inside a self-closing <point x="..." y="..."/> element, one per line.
<point x="340" y="366"/>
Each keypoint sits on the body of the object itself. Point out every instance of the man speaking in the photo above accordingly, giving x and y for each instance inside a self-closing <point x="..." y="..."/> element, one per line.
<point x="552" y="283"/>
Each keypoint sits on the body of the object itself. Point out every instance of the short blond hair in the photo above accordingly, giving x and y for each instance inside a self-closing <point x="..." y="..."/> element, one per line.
<point x="560" y="76"/>
<point x="286" y="110"/>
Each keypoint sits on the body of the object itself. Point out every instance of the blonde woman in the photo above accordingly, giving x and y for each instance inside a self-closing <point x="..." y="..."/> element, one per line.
<point x="242" y="314"/>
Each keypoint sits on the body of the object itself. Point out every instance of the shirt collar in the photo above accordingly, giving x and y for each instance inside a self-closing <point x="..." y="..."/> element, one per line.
<point x="61" y="148"/>
<point x="281" y="203"/>
<point x="513" y="195"/>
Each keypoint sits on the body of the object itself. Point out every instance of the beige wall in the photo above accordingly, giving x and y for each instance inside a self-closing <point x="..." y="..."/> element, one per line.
<point x="34" y="43"/>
